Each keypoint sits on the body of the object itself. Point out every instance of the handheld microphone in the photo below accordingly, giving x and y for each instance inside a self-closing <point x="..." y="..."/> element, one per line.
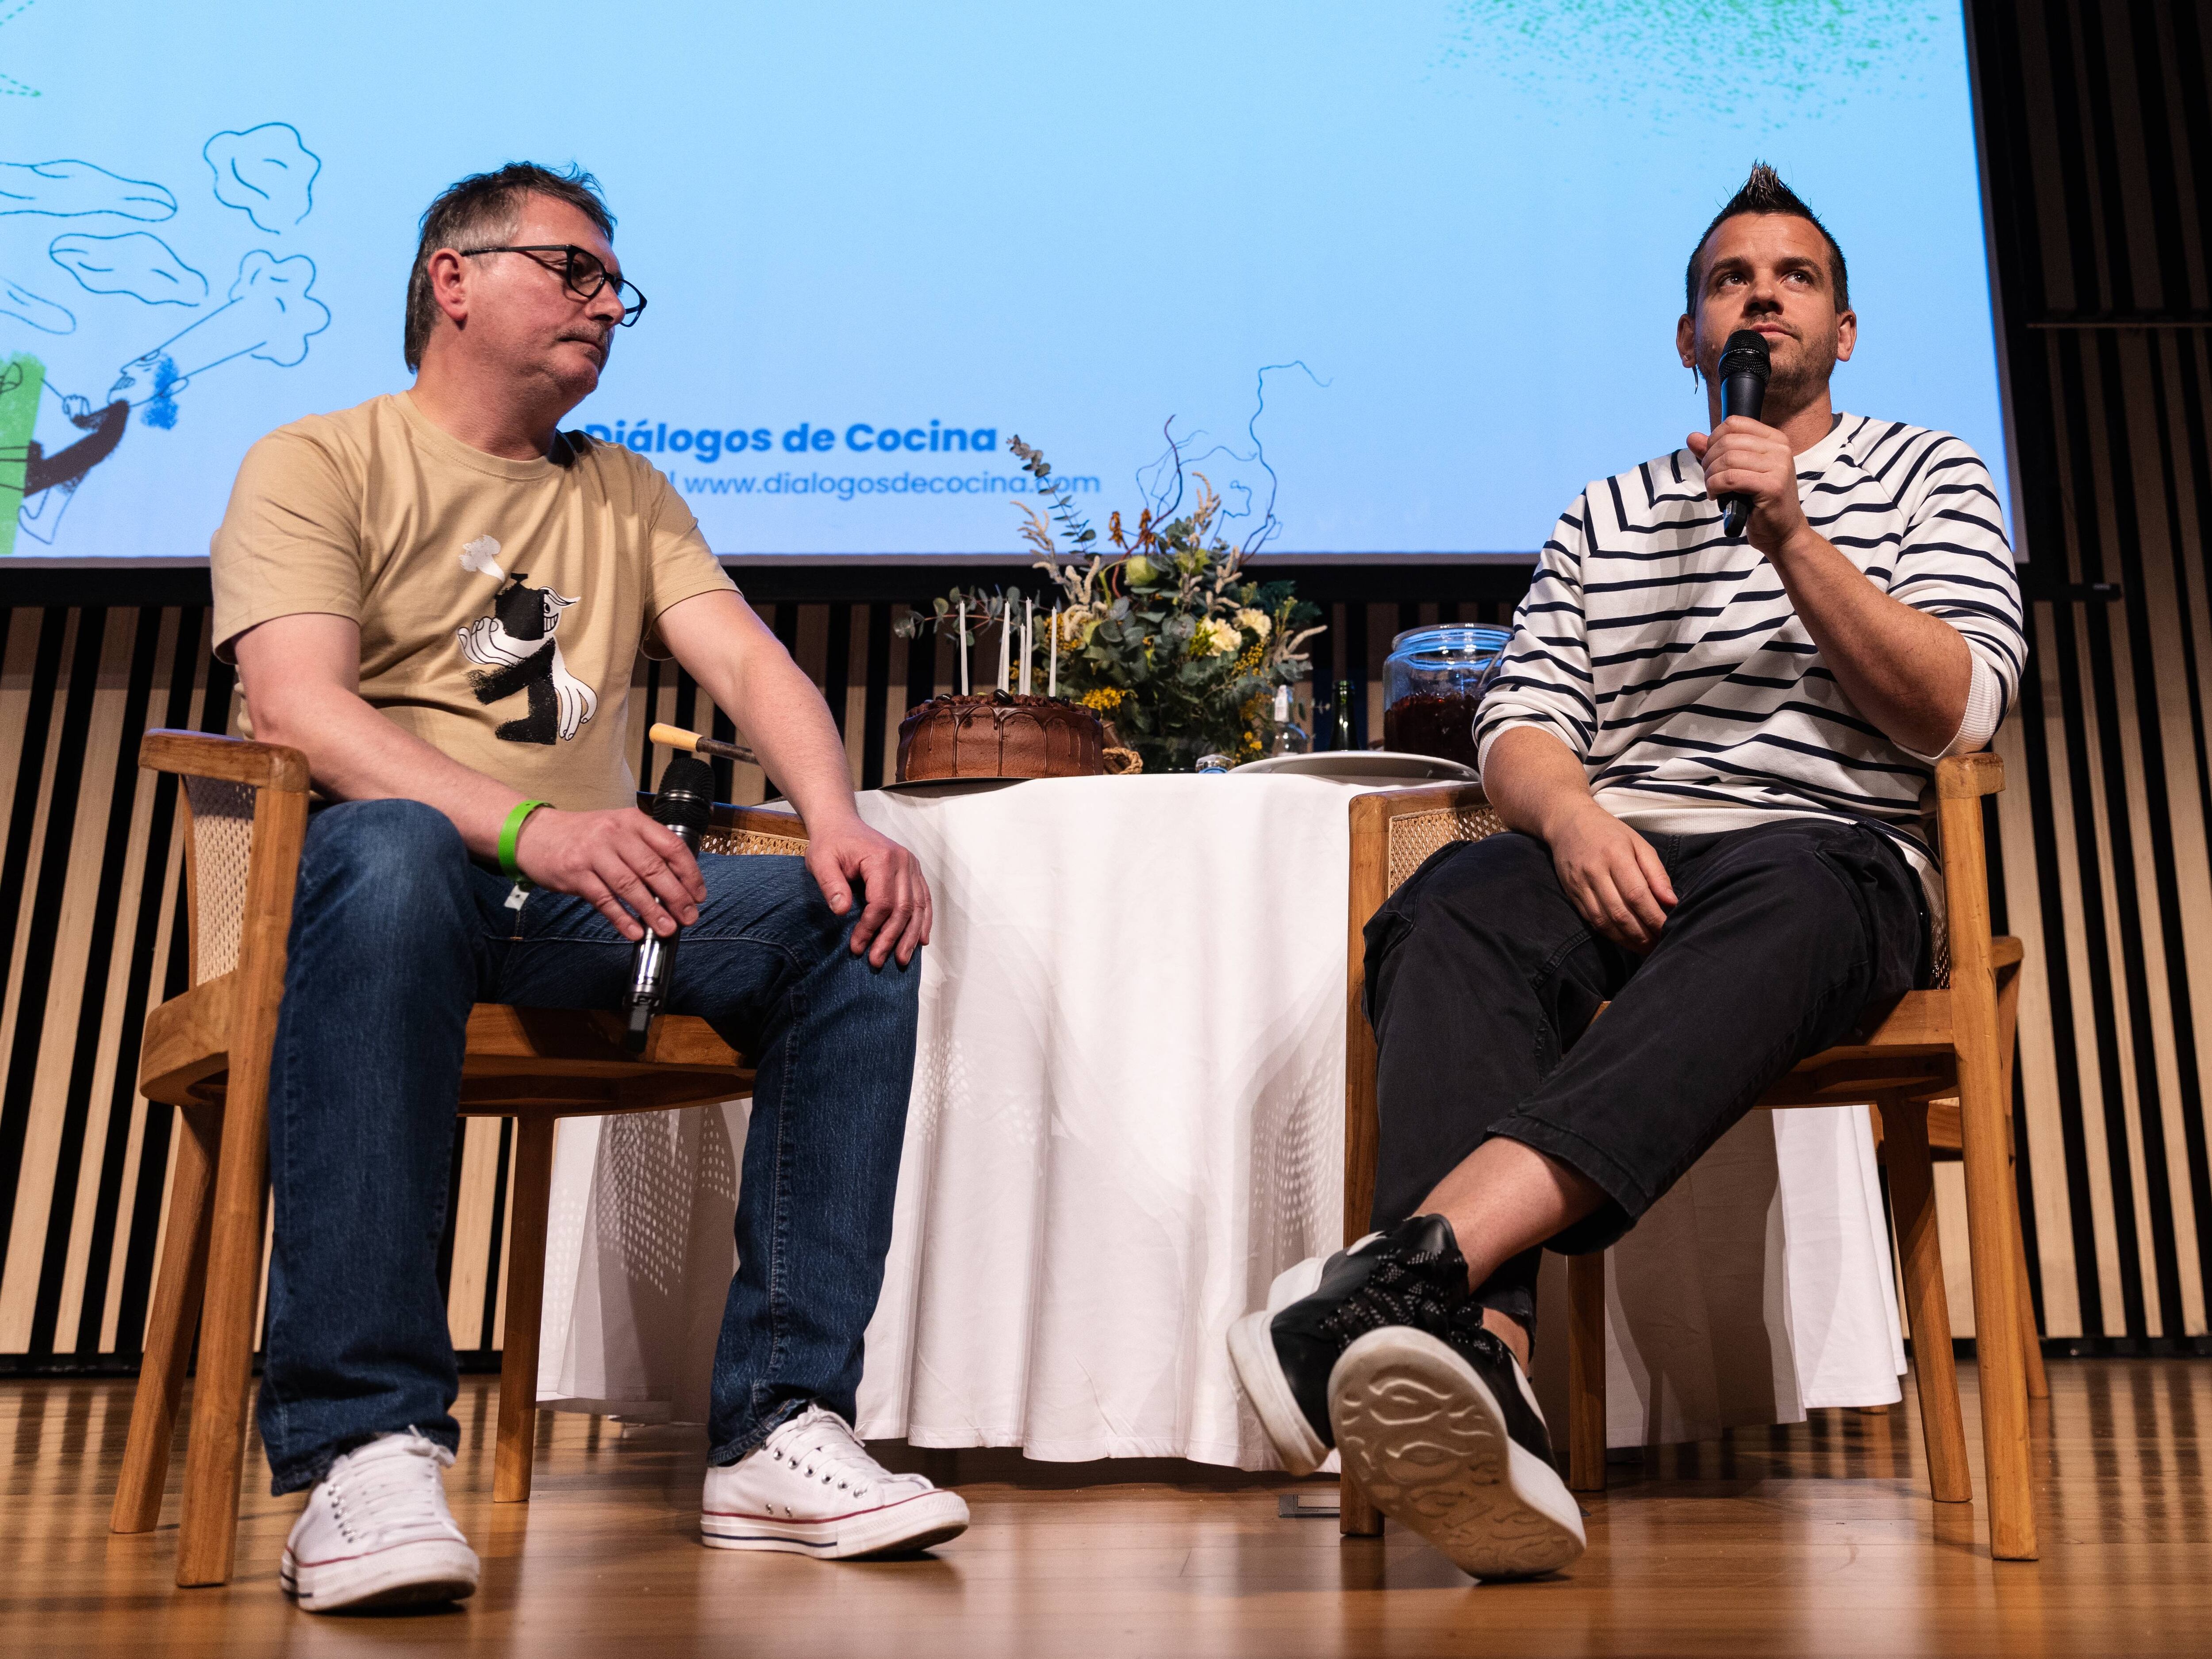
<point x="684" y="805"/>
<point x="1743" y="371"/>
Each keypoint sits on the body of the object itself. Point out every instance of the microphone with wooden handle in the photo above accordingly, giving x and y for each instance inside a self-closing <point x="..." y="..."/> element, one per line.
<point x="674" y="736"/>
<point x="684" y="804"/>
<point x="1743" y="372"/>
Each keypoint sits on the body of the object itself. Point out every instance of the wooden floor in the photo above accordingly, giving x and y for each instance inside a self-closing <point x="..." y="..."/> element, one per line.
<point x="1814" y="1539"/>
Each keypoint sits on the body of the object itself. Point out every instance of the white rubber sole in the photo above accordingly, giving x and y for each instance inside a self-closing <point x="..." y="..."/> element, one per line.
<point x="1252" y="1351"/>
<point x="913" y="1523"/>
<point x="1424" y="1435"/>
<point x="433" y="1570"/>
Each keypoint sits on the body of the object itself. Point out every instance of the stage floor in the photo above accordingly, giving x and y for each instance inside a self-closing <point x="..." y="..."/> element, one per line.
<point x="1815" y="1539"/>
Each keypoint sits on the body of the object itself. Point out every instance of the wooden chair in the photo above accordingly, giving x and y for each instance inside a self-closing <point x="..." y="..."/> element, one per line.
<point x="1951" y="1041"/>
<point x="207" y="1053"/>
<point x="1947" y="1145"/>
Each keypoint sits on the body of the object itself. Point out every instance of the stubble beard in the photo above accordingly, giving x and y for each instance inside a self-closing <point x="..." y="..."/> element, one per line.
<point x="1795" y="380"/>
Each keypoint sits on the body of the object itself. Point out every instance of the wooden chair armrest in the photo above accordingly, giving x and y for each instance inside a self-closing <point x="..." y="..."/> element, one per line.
<point x="759" y="820"/>
<point x="231" y="760"/>
<point x="1962" y="777"/>
<point x="1378" y="806"/>
<point x="725" y="819"/>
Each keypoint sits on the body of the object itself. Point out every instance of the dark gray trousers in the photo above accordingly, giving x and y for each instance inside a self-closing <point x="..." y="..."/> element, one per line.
<point x="1482" y="980"/>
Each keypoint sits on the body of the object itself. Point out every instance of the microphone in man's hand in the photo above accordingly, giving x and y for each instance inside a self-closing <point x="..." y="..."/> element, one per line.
<point x="1743" y="373"/>
<point x="684" y="802"/>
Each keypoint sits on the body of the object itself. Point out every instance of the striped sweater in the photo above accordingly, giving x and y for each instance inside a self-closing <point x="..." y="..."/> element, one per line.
<point x="1671" y="660"/>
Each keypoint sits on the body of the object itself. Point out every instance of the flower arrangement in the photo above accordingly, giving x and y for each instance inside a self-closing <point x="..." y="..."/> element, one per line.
<point x="1158" y="630"/>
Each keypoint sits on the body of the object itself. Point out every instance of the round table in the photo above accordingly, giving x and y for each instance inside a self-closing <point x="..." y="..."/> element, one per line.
<point x="1127" y="1118"/>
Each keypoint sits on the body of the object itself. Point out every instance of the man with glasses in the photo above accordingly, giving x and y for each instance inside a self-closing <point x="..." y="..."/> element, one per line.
<point x="438" y="597"/>
<point x="581" y="272"/>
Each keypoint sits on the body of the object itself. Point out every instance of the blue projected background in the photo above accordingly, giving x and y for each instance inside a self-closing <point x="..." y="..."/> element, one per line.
<point x="1459" y="225"/>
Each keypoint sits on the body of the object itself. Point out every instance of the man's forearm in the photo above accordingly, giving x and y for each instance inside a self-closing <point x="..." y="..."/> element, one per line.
<point x="790" y="729"/>
<point x="752" y="678"/>
<point x="354" y="754"/>
<point x="1534" y="781"/>
<point x="1905" y="670"/>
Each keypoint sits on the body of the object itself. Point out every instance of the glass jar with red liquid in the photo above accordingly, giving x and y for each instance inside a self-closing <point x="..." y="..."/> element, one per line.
<point x="1432" y="683"/>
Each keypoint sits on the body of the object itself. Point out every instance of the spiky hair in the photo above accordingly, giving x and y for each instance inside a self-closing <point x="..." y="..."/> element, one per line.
<point x="1765" y="192"/>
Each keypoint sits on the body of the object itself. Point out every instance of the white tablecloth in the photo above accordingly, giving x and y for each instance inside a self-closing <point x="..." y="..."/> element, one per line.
<point x="1128" y="1117"/>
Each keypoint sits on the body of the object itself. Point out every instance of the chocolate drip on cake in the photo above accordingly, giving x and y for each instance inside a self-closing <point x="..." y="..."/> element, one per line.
<point x="1000" y="735"/>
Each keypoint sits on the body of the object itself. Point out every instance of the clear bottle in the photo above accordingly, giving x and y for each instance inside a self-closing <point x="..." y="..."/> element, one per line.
<point x="1287" y="735"/>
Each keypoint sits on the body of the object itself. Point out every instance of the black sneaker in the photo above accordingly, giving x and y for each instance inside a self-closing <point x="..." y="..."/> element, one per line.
<point x="1413" y="1275"/>
<point x="1444" y="1435"/>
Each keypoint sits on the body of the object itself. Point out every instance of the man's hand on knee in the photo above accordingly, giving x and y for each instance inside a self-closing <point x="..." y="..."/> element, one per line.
<point x="634" y="870"/>
<point x="897" y="916"/>
<point x="1612" y="876"/>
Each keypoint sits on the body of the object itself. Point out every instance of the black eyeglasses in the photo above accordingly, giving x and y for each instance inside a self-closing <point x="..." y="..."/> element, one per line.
<point x="581" y="273"/>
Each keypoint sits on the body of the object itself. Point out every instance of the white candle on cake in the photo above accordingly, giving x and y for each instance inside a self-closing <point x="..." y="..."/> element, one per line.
<point x="1052" y="675"/>
<point x="1029" y="621"/>
<point x="963" y="647"/>
<point x="1006" y="641"/>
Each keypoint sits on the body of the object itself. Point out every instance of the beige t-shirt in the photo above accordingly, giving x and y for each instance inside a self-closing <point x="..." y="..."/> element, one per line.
<point x="502" y="604"/>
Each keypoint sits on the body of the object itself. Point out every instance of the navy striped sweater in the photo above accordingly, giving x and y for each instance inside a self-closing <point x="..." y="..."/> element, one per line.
<point x="1671" y="660"/>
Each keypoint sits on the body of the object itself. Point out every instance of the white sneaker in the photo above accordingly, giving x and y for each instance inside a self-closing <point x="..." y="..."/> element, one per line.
<point x="376" y="1532"/>
<point x="813" y="1490"/>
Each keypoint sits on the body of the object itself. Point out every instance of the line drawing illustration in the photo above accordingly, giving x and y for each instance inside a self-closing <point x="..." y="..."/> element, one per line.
<point x="50" y="482"/>
<point x="51" y="441"/>
<point x="36" y="487"/>
<point x="137" y="263"/>
<point x="1162" y="480"/>
<point x="9" y="84"/>
<point x="43" y="314"/>
<point x="20" y="379"/>
<point x="77" y="190"/>
<point x="270" y="315"/>
<point x="266" y="173"/>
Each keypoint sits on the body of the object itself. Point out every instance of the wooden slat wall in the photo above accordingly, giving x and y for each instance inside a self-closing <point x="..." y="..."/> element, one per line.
<point x="87" y="889"/>
<point x="2097" y="123"/>
<point x="92" y="902"/>
<point x="93" y="942"/>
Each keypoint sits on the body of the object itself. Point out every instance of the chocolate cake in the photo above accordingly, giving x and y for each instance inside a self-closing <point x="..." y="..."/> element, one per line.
<point x="1000" y="735"/>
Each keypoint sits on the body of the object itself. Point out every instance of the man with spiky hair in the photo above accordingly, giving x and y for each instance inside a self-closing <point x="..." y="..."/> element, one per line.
<point x="1709" y="752"/>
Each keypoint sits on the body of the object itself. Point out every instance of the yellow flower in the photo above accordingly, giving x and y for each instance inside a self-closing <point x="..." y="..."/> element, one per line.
<point x="1105" y="700"/>
<point x="1249" y="746"/>
<point x="1255" y="621"/>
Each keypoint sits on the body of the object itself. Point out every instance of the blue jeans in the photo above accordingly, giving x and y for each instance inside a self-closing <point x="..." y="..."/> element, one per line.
<point x="395" y="933"/>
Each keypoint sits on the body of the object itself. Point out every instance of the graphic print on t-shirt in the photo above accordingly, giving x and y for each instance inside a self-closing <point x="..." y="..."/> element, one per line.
<point x="517" y="655"/>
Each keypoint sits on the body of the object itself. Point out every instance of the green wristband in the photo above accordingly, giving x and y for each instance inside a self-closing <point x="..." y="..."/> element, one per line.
<point x="511" y="831"/>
